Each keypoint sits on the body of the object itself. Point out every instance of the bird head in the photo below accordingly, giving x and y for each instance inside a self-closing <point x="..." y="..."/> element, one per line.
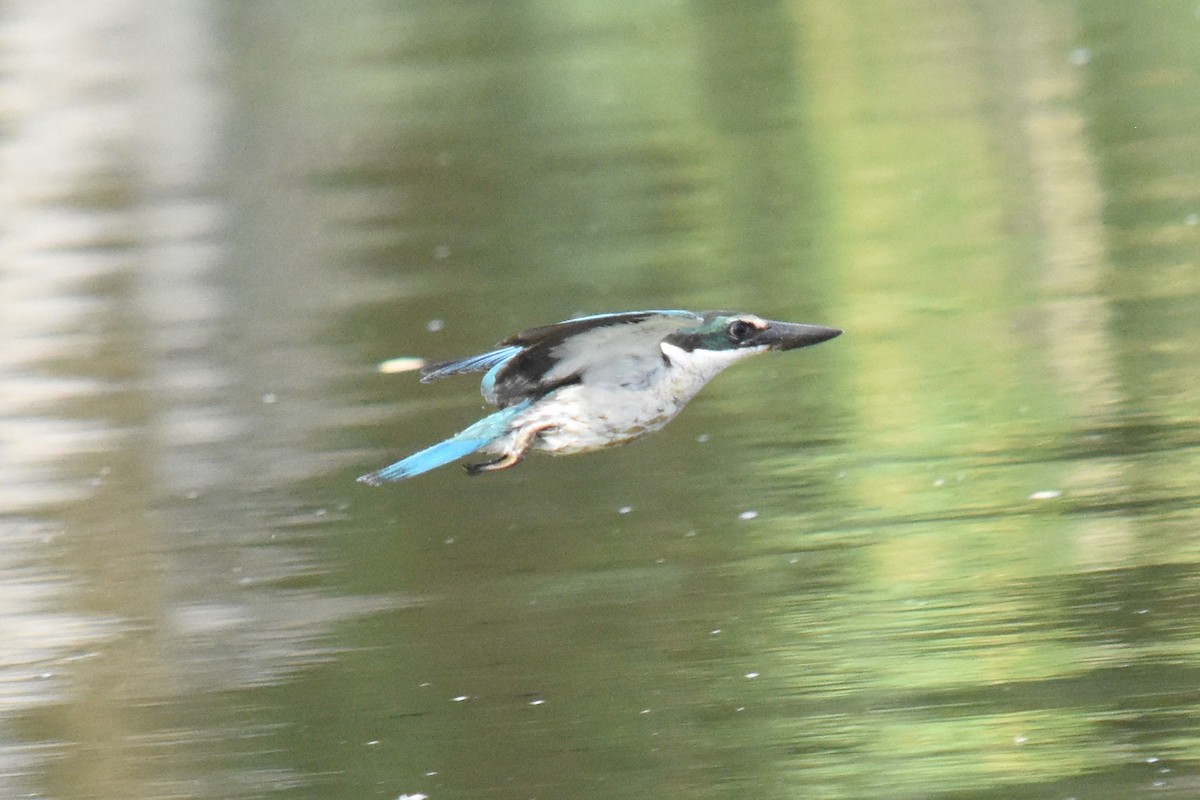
<point x="720" y="331"/>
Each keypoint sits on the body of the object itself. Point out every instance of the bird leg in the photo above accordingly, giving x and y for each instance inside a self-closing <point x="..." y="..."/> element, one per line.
<point x="513" y="455"/>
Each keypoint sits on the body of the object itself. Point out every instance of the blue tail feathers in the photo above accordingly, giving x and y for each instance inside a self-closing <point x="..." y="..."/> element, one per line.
<point x="427" y="459"/>
<point x="473" y="438"/>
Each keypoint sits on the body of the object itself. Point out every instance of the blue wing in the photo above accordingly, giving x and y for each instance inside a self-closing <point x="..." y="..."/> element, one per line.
<point x="524" y="366"/>
<point x="569" y="352"/>
<point x="461" y="366"/>
<point x="568" y="328"/>
<point x="461" y="444"/>
<point x="555" y="333"/>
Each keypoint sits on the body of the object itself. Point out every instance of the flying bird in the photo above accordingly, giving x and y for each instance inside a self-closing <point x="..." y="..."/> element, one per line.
<point x="592" y="382"/>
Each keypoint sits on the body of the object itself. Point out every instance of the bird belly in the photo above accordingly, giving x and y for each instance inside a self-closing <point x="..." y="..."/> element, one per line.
<point x="578" y="419"/>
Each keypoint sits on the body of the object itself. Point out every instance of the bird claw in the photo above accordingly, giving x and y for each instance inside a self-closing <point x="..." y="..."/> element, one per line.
<point x="475" y="469"/>
<point x="521" y="445"/>
<point x="503" y="462"/>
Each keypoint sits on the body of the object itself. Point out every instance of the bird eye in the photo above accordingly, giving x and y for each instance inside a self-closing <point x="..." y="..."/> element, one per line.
<point x="740" y="330"/>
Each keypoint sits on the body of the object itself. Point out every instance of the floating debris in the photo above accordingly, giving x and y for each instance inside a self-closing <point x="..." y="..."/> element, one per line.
<point x="402" y="364"/>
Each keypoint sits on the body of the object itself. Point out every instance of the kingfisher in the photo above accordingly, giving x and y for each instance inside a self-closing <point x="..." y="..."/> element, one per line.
<point x="592" y="382"/>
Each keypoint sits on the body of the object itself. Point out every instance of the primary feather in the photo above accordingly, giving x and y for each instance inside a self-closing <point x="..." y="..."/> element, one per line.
<point x="462" y="366"/>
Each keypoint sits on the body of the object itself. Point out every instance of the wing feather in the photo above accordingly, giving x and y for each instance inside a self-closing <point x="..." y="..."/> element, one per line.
<point x="577" y="349"/>
<point x="461" y="366"/>
<point x="537" y="361"/>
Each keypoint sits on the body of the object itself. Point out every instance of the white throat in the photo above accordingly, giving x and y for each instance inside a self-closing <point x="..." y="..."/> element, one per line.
<point x="691" y="370"/>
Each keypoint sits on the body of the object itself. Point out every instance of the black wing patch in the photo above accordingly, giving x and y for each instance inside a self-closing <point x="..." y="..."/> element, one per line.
<point x="519" y="368"/>
<point x="524" y="375"/>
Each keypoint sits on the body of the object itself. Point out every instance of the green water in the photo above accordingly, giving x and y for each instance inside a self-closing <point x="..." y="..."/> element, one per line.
<point x="954" y="553"/>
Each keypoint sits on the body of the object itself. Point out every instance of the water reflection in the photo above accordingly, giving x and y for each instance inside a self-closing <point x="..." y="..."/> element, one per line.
<point x="139" y="577"/>
<point x="955" y="557"/>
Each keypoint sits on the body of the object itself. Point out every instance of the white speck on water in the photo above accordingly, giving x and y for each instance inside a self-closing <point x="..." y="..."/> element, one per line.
<point x="1152" y="760"/>
<point x="692" y="533"/>
<point x="940" y="482"/>
<point x="645" y="711"/>
<point x="702" y="438"/>
<point x="449" y="540"/>
<point x="537" y="701"/>
<point x="624" y="509"/>
<point x="372" y="743"/>
<point x="1020" y="739"/>
<point x="751" y="675"/>
<point x="1192" y="219"/>
<point x="435" y="326"/>
<point x="462" y="697"/>
<point x="715" y="632"/>
<point x="431" y="773"/>
<point x="1081" y="56"/>
<point x="269" y="398"/>
<point x="1046" y="494"/>
<point x="745" y="515"/>
<point x="400" y="364"/>
<point x="441" y="252"/>
<point x="413" y="796"/>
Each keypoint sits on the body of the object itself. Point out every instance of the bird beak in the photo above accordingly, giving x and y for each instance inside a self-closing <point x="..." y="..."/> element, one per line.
<point x="790" y="335"/>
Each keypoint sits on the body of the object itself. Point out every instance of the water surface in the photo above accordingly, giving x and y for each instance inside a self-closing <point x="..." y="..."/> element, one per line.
<point x="954" y="553"/>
